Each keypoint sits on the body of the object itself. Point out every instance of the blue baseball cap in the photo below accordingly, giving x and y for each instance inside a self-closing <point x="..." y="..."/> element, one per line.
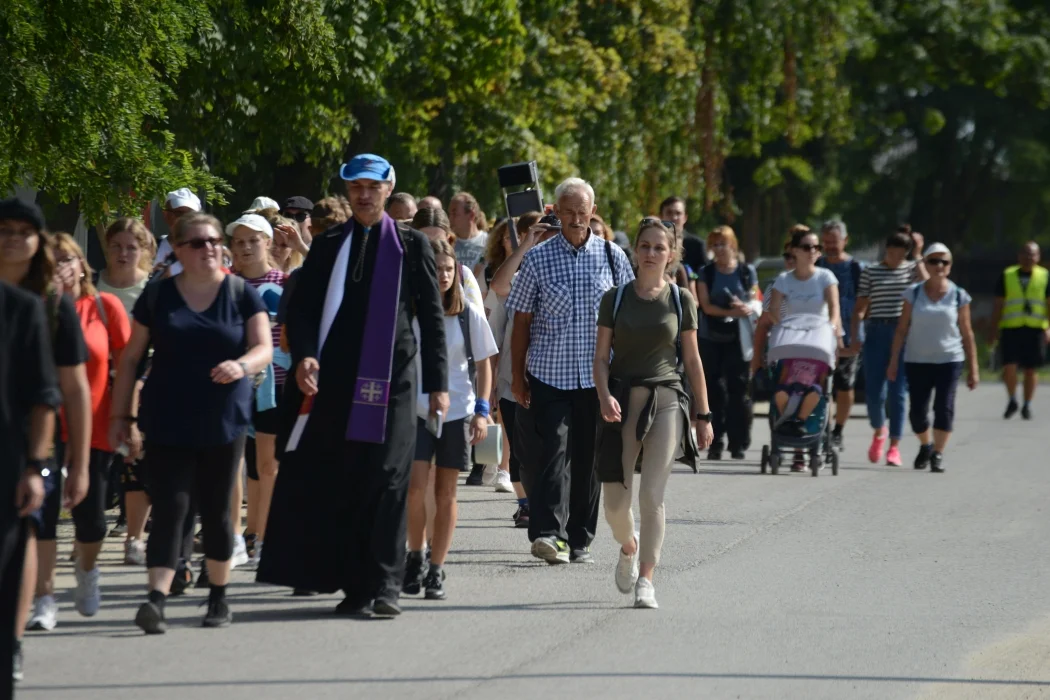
<point x="368" y="166"/>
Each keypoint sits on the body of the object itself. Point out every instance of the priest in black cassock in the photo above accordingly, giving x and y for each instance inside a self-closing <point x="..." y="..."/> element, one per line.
<point x="348" y="429"/>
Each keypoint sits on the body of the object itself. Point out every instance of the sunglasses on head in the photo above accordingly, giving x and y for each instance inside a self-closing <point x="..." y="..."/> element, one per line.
<point x="652" y="221"/>
<point x="941" y="262"/>
<point x="809" y="247"/>
<point x="299" y="216"/>
<point x="201" y="243"/>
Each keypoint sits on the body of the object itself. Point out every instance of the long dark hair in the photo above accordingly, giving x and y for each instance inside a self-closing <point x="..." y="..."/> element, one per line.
<point x="41" y="274"/>
<point x="452" y="300"/>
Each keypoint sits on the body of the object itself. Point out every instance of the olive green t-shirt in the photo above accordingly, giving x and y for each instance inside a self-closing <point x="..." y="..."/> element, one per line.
<point x="645" y="333"/>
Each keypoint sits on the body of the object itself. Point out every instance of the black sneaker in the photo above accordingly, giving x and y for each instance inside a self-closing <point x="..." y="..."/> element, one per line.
<point x="936" y="463"/>
<point x="738" y="454"/>
<point x="249" y="545"/>
<point x="1026" y="412"/>
<point x="16" y="663"/>
<point x="836" y="439"/>
<point x="386" y="607"/>
<point x="922" y="460"/>
<point x="1011" y="408"/>
<point x="521" y="517"/>
<point x="218" y="614"/>
<point x="202" y="580"/>
<point x="354" y="607"/>
<point x="150" y="619"/>
<point x="477" y="475"/>
<point x="551" y="550"/>
<point x="183" y="578"/>
<point x="714" y="454"/>
<point x="413" y="582"/>
<point x="434" y="585"/>
<point x="120" y="528"/>
<point x="581" y="555"/>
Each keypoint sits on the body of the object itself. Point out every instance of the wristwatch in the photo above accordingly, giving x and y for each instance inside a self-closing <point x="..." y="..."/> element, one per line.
<point x="705" y="417"/>
<point x="39" y="466"/>
<point x="244" y="368"/>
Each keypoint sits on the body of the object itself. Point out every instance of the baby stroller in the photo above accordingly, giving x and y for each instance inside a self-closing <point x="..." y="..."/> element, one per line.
<point x="810" y="338"/>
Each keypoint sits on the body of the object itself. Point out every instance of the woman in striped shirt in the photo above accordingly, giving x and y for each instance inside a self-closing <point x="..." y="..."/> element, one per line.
<point x="880" y="303"/>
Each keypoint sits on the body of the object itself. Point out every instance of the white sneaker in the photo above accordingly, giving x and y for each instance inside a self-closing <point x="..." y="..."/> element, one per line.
<point x="135" y="552"/>
<point x="645" y="594"/>
<point x="45" y="614"/>
<point x="626" y="572"/>
<point x="488" y="477"/>
<point x="257" y="555"/>
<point x="88" y="596"/>
<point x="240" y="552"/>
<point x="502" y="482"/>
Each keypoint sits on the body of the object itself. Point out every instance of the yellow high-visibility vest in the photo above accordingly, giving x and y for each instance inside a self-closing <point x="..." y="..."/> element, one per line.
<point x="1025" y="307"/>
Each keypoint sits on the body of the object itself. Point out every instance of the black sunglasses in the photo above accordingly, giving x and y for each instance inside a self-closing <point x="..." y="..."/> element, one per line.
<point x="299" y="216"/>
<point x="939" y="261"/>
<point x="652" y="220"/>
<point x="201" y="243"/>
<point x="808" y="247"/>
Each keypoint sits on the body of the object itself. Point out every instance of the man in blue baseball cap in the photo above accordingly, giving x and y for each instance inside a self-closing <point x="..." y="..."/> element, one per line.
<point x="348" y="432"/>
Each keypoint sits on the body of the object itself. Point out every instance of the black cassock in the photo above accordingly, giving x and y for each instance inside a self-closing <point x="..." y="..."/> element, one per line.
<point x="337" y="519"/>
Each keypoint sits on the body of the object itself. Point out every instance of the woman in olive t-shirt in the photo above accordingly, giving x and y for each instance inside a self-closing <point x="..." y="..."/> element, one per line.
<point x="643" y="389"/>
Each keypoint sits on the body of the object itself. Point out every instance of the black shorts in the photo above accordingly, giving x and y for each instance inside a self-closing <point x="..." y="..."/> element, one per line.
<point x="132" y="475"/>
<point x="845" y="375"/>
<point x="89" y="517"/>
<point x="1024" y="347"/>
<point x="451" y="450"/>
<point x="265" y="421"/>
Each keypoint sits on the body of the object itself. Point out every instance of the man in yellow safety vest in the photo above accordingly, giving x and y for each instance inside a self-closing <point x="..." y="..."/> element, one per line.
<point x="1021" y="300"/>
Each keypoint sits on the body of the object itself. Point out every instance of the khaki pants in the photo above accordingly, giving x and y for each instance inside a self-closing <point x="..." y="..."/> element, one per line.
<point x="660" y="443"/>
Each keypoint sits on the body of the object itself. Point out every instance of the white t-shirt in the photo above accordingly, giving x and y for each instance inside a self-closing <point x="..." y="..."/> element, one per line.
<point x="501" y="321"/>
<point x="805" y="296"/>
<point x="460" y="392"/>
<point x="471" y="288"/>
<point x="163" y="251"/>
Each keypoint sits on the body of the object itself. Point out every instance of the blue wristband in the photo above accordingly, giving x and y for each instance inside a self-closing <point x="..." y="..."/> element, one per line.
<point x="481" y="408"/>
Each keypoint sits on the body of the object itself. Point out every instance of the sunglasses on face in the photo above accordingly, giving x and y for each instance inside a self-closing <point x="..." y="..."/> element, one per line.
<point x="299" y="216"/>
<point x="940" y="262"/>
<point x="202" y="243"/>
<point x="809" y="247"/>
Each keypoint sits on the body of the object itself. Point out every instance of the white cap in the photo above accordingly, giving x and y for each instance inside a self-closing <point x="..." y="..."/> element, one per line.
<point x="264" y="203"/>
<point x="183" y="197"/>
<point x="936" y="248"/>
<point x="252" y="221"/>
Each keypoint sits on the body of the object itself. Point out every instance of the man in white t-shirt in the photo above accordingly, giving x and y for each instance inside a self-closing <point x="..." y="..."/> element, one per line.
<point x="463" y="216"/>
<point x="178" y="203"/>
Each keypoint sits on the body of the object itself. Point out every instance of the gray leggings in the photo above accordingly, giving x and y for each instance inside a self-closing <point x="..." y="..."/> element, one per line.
<point x="660" y="443"/>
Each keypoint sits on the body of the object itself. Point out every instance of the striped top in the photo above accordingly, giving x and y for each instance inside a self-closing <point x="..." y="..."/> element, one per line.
<point x="885" y="286"/>
<point x="275" y="278"/>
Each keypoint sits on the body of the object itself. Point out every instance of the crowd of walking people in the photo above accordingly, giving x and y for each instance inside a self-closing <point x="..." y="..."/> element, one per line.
<point x="338" y="365"/>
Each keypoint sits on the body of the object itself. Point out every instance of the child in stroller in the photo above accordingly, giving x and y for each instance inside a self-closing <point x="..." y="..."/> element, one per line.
<point x="799" y="390"/>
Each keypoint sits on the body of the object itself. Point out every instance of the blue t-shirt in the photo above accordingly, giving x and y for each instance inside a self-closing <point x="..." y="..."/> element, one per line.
<point x="848" y="284"/>
<point x="934" y="336"/>
<point x="723" y="288"/>
<point x="181" y="405"/>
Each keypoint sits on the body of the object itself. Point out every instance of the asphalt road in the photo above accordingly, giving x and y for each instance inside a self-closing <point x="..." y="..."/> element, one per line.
<point x="878" y="583"/>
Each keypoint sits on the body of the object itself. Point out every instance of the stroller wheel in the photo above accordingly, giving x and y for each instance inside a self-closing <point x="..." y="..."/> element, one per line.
<point x="765" y="458"/>
<point x="834" y="463"/>
<point x="774" y="463"/>
<point x="815" y="464"/>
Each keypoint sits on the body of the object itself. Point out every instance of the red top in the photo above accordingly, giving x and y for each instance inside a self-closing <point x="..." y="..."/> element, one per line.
<point x="101" y="340"/>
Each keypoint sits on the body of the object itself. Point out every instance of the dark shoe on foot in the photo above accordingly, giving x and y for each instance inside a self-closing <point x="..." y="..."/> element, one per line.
<point x="354" y="606"/>
<point x="434" y="585"/>
<point x="937" y="463"/>
<point x="202" y="580"/>
<point x="477" y="475"/>
<point x="1011" y="409"/>
<point x="581" y="555"/>
<point x="414" y="572"/>
<point x="836" y="440"/>
<point x="798" y="463"/>
<point x="1026" y="412"/>
<point x="218" y="614"/>
<point x="386" y="607"/>
<point x="738" y="454"/>
<point x="714" y="454"/>
<point x="150" y="619"/>
<point x="183" y="579"/>
<point x="303" y="593"/>
<point x="551" y="550"/>
<point x="922" y="460"/>
<point x="521" y="517"/>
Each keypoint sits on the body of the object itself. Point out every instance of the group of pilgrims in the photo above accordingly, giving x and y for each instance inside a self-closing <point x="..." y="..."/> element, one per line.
<point x="353" y="358"/>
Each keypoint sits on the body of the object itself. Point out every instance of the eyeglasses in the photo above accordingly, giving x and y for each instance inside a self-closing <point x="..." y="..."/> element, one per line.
<point x="652" y="221"/>
<point x="940" y="262"/>
<point x="201" y="243"/>
<point x="65" y="262"/>
<point x="809" y="247"/>
<point x="299" y="216"/>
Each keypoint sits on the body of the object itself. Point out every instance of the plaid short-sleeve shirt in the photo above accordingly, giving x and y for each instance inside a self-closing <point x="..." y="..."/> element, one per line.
<point x="562" y="286"/>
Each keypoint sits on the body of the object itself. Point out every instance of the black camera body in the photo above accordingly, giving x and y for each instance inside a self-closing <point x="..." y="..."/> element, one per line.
<point x="551" y="220"/>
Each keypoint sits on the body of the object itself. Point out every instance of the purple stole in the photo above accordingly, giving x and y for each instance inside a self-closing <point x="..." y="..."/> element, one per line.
<point x="368" y="410"/>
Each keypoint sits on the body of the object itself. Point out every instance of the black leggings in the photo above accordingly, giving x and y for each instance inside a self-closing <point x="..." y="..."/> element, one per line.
<point x="726" y="374"/>
<point x="89" y="516"/>
<point x="177" y="475"/>
<point x="925" y="378"/>
<point x="507" y="411"/>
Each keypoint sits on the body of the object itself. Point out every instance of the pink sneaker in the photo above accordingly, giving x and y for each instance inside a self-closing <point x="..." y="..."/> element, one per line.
<point x="893" y="457"/>
<point x="878" y="443"/>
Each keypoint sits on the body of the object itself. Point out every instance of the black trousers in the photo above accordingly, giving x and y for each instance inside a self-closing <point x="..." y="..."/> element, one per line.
<point x="562" y="486"/>
<point x="938" y="381"/>
<point x="13" y="533"/>
<point x="178" y="475"/>
<point x="508" y="411"/>
<point x="726" y="374"/>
